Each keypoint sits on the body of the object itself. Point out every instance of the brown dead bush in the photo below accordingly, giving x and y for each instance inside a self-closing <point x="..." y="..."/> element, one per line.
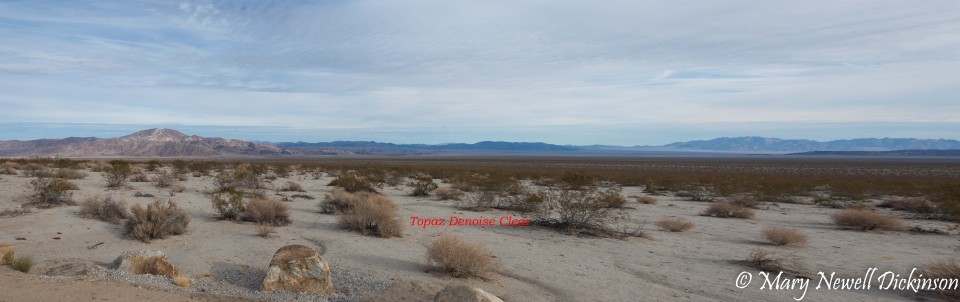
<point x="675" y="224"/>
<point x="784" y="236"/>
<point x="866" y="220"/>
<point x="8" y="169"/>
<point x="292" y="187"/>
<point x="912" y="205"/>
<point x="725" y="209"/>
<point x="264" y="230"/>
<point x="178" y="188"/>
<point x="612" y="197"/>
<point x="104" y="208"/>
<point x="646" y="199"/>
<point x="374" y="215"/>
<point x="158" y="220"/>
<point x="448" y="193"/>
<point x="268" y="211"/>
<point x="460" y="258"/>
<point x="949" y="269"/>
<point x="768" y="261"/>
<point x="340" y="200"/>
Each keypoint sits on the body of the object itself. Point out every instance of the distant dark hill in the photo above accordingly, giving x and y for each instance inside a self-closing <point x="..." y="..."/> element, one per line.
<point x="924" y="153"/>
<point x="760" y="144"/>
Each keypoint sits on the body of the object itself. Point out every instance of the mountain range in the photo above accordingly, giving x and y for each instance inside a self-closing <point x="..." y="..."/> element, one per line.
<point x="171" y="143"/>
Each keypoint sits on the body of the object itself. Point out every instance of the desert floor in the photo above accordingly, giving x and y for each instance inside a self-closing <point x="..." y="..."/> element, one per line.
<point x="228" y="259"/>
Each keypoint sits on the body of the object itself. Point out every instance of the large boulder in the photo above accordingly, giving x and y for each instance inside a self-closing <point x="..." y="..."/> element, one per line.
<point x="146" y="262"/>
<point x="6" y="254"/>
<point x="464" y="293"/>
<point x="298" y="268"/>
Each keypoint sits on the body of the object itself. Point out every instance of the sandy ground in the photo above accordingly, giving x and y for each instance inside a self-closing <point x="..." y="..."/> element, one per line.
<point x="539" y="264"/>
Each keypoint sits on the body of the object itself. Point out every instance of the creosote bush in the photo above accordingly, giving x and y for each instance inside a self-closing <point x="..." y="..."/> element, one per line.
<point x="104" y="208"/>
<point x="70" y="174"/>
<point x="675" y="224"/>
<point x="116" y="173"/>
<point x="164" y="179"/>
<point x="228" y="204"/>
<point x="51" y="192"/>
<point x="423" y="186"/>
<point x="460" y="258"/>
<point x="784" y="236"/>
<point x="351" y="181"/>
<point x="725" y="209"/>
<point x="612" y="197"/>
<point x="268" y="212"/>
<point x="581" y="212"/>
<point x="373" y="215"/>
<point x="866" y="220"/>
<point x="158" y="220"/>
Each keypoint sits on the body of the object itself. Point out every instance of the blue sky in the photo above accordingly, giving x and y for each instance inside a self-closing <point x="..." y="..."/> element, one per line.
<point x="568" y="72"/>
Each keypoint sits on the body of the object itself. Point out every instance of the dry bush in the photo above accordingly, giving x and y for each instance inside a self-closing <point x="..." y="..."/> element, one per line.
<point x="159" y="220"/>
<point x="292" y="187"/>
<point x="912" y="205"/>
<point x="264" y="230"/>
<point x="423" y="186"/>
<point x="8" y="169"/>
<point x="374" y="215"/>
<point x="141" y="194"/>
<point x="448" y="193"/>
<point x="340" y="200"/>
<point x="229" y="205"/>
<point x="70" y="174"/>
<point x="866" y="220"/>
<point x="104" y="208"/>
<point x="178" y="188"/>
<point x="182" y="280"/>
<point x="14" y="212"/>
<point x="115" y="173"/>
<point x="460" y="258"/>
<point x="194" y="174"/>
<point x="646" y="199"/>
<point x="51" y="192"/>
<point x="725" y="209"/>
<point x="784" y="236"/>
<point x="304" y="196"/>
<point x="771" y="262"/>
<point x="476" y="201"/>
<point x="164" y="179"/>
<point x="23" y="263"/>
<point x="579" y="212"/>
<point x="675" y="224"/>
<point x="139" y="177"/>
<point x="352" y="182"/>
<point x="746" y="200"/>
<point x="948" y="268"/>
<point x="269" y="211"/>
<point x="842" y="203"/>
<point x="612" y="197"/>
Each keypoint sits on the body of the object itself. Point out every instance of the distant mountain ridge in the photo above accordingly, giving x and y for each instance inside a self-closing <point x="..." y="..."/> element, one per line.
<point x="151" y="142"/>
<point x="755" y="144"/>
<point x="485" y="146"/>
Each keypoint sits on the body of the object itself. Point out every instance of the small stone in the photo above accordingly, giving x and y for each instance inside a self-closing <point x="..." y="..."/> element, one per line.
<point x="464" y="293"/>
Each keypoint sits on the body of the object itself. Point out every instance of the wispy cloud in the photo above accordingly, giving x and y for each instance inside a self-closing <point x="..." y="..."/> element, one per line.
<point x="516" y="65"/>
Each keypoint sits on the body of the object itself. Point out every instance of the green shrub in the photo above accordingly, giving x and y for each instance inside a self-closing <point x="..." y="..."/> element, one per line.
<point x="23" y="263"/>
<point x="352" y="182"/>
<point x="229" y="204"/>
<point x="51" y="192"/>
<point x="116" y="173"/>
<point x="423" y="186"/>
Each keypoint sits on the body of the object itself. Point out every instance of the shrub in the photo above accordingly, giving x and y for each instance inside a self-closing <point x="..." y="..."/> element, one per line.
<point x="339" y="200"/>
<point x="746" y="200"/>
<point x="476" y="201"/>
<point x="268" y="211"/>
<point x="164" y="179"/>
<point x="51" y="192"/>
<point x="577" y="180"/>
<point x="579" y="212"/>
<point x="375" y="215"/>
<point x="448" y="193"/>
<point x="646" y="199"/>
<point x="423" y="186"/>
<point x="292" y="187"/>
<point x="461" y="259"/>
<point x="768" y="261"/>
<point x="612" y="197"/>
<point x="866" y="220"/>
<point x="178" y="188"/>
<point x="116" y="173"/>
<point x="8" y="168"/>
<point x="229" y="205"/>
<point x="944" y="269"/>
<point x="23" y="263"/>
<point x="141" y="194"/>
<point x="351" y="182"/>
<point x="913" y="205"/>
<point x="70" y="174"/>
<point x="675" y="224"/>
<point x="159" y="220"/>
<point x="725" y="209"/>
<point x="104" y="208"/>
<point x="182" y="280"/>
<point x="784" y="236"/>
<point x="264" y="230"/>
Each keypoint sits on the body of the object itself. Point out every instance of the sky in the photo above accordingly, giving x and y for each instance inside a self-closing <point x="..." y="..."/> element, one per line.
<point x="631" y="72"/>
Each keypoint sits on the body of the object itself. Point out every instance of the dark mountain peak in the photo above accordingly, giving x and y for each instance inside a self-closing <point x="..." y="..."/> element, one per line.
<point x="157" y="134"/>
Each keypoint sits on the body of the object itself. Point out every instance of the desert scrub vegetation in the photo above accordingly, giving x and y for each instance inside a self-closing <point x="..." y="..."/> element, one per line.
<point x="158" y="220"/>
<point x="675" y="224"/>
<point x="339" y="200"/>
<point x="580" y="212"/>
<point x="229" y="205"/>
<point x="264" y="230"/>
<point x="8" y="168"/>
<point x="269" y="211"/>
<point x="771" y="262"/>
<point x="67" y="173"/>
<point x="646" y="199"/>
<point x="182" y="280"/>
<point x="51" y="192"/>
<point x="371" y="214"/>
<point x="164" y="179"/>
<point x="784" y="236"/>
<point x="476" y="201"/>
<point x="104" y="208"/>
<point x="448" y="193"/>
<point x="461" y="259"/>
<point x="948" y="268"/>
<point x="866" y="220"/>
<point x="423" y="186"/>
<point x="23" y="263"/>
<point x="725" y="209"/>
<point x="351" y="181"/>
<point x="116" y="172"/>
<point x="917" y="205"/>
<point x="612" y="197"/>
<point x="292" y="187"/>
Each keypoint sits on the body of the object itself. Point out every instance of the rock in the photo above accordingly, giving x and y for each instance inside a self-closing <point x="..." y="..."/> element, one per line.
<point x="145" y="262"/>
<point x="298" y="268"/>
<point x="6" y="254"/>
<point x="464" y="293"/>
